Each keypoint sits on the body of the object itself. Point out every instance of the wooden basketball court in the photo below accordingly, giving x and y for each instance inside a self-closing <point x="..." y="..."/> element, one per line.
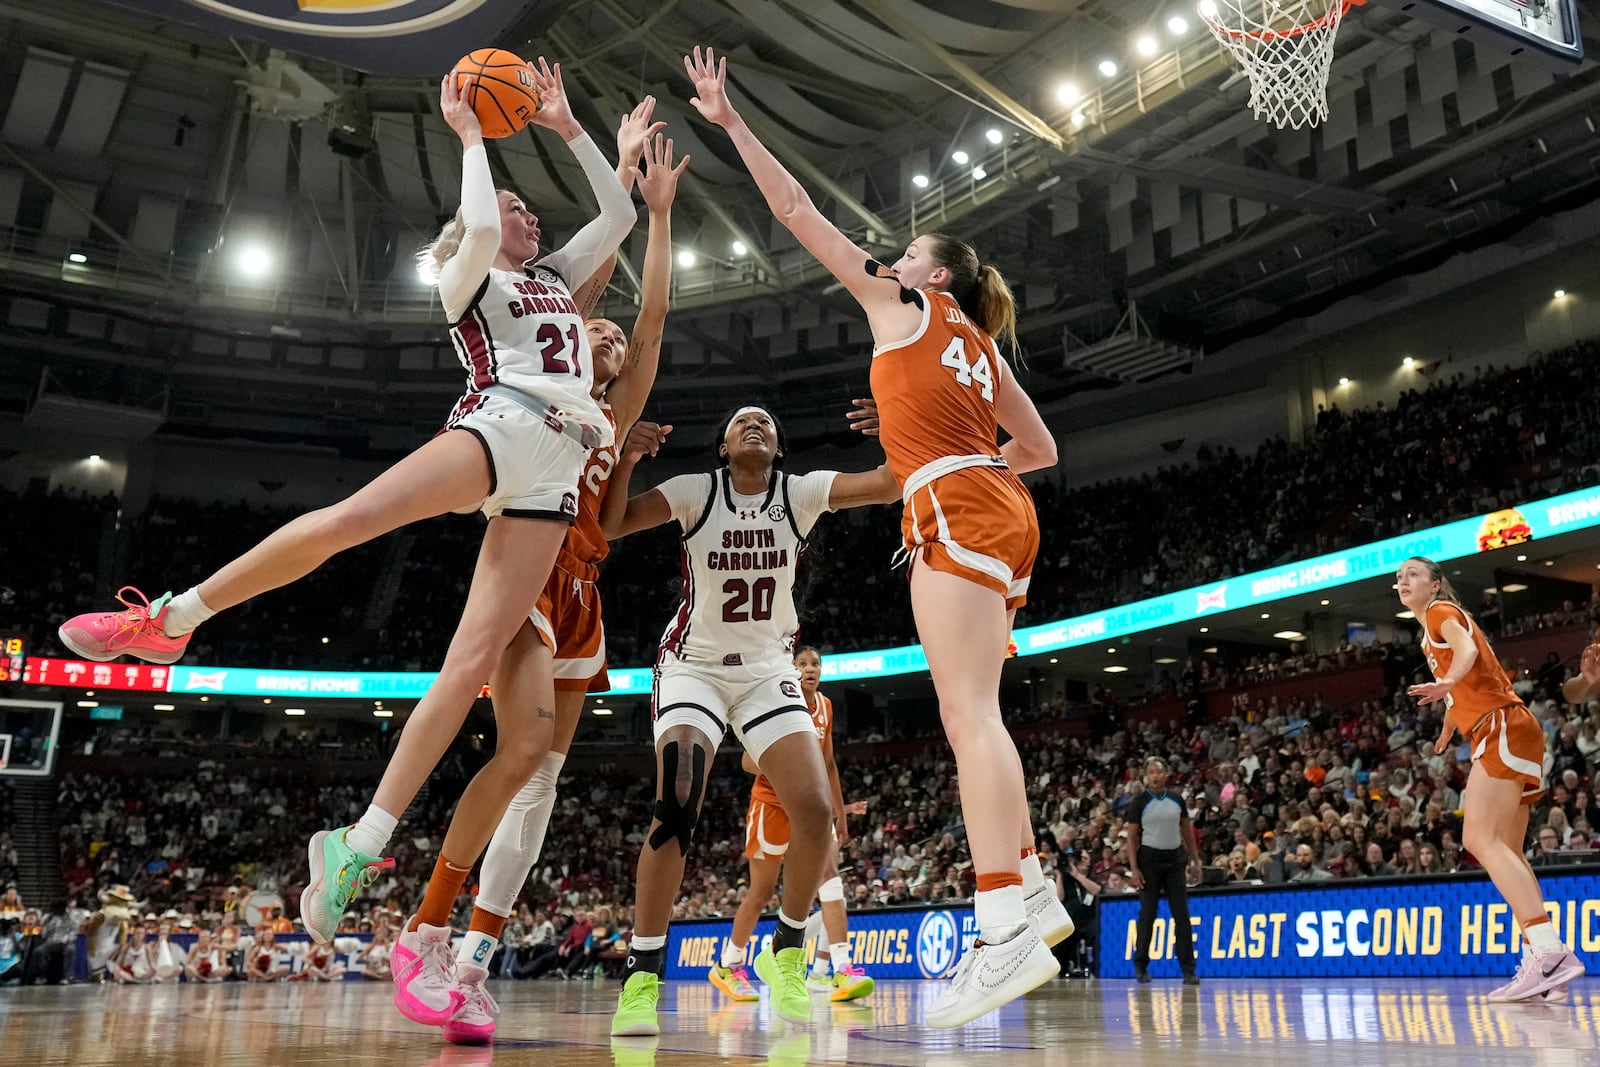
<point x="1079" y="1023"/>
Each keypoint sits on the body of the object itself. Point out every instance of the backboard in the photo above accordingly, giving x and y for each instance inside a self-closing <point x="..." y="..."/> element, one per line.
<point x="29" y="733"/>
<point x="1541" y="30"/>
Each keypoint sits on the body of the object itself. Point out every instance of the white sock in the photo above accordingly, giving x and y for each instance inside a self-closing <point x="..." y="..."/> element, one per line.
<point x="840" y="954"/>
<point x="184" y="612"/>
<point x="476" y="949"/>
<point x="1032" y="875"/>
<point x="1542" y="936"/>
<point x="371" y="833"/>
<point x="732" y="955"/>
<point x="640" y="943"/>
<point x="1001" y="913"/>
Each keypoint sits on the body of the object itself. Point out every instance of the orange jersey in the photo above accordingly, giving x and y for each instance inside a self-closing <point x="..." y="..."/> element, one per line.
<point x="822" y="718"/>
<point x="935" y="390"/>
<point x="585" y="546"/>
<point x="1485" y="686"/>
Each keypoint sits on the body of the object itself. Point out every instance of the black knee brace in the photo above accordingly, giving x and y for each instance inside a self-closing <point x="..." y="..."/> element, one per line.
<point x="677" y="818"/>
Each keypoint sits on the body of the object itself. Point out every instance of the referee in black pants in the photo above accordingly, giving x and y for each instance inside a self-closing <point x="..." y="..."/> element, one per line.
<point x="1161" y="835"/>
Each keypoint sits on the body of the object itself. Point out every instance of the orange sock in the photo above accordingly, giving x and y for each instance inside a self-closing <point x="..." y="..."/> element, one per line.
<point x="1542" y="919"/>
<point x="487" y="922"/>
<point x="986" y="882"/>
<point x="1029" y="852"/>
<point x="440" y="899"/>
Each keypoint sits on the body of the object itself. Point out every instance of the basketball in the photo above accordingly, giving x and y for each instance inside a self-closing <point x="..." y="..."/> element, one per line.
<point x="499" y="90"/>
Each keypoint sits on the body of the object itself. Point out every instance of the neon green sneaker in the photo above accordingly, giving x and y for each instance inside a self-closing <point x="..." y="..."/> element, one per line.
<point x="785" y="973"/>
<point x="636" y="1008"/>
<point x="337" y="872"/>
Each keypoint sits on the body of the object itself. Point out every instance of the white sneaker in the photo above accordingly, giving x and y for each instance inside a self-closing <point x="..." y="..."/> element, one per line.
<point x="424" y="976"/>
<point x="474" y="1023"/>
<point x="993" y="975"/>
<point x="819" y="982"/>
<point x="1049" y="916"/>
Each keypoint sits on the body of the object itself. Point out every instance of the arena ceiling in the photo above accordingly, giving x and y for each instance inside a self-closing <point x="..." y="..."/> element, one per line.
<point x="158" y="152"/>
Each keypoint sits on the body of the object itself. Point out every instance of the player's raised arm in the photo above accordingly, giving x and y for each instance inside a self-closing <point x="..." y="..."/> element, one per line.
<point x="874" y="286"/>
<point x="1032" y="446"/>
<point x="621" y="514"/>
<point x="634" y="131"/>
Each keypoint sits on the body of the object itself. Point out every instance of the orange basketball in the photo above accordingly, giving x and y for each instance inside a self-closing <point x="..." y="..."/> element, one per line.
<point x="499" y="89"/>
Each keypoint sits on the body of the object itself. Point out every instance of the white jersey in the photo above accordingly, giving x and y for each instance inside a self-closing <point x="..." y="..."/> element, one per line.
<point x="523" y="331"/>
<point x="739" y="559"/>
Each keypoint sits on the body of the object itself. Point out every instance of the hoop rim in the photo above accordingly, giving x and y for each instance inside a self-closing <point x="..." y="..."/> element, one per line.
<point x="1335" y="13"/>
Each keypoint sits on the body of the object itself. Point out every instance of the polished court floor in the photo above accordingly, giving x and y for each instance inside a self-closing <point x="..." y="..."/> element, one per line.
<point x="1340" y="1023"/>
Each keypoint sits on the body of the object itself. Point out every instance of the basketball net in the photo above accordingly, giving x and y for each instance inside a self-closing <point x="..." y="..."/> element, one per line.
<point x="1286" y="50"/>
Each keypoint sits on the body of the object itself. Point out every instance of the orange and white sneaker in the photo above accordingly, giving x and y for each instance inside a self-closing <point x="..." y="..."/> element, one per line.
<point x="734" y="982"/>
<point x="851" y="983"/>
<point x="135" y="631"/>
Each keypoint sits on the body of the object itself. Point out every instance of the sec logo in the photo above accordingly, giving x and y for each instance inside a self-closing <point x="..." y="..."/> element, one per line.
<point x="936" y="944"/>
<point x="776" y="513"/>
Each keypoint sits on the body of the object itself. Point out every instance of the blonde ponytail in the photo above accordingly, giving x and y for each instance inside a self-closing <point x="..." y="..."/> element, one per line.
<point x="436" y="253"/>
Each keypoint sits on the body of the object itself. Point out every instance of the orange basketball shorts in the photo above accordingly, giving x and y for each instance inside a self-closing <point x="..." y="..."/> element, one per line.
<point x="978" y="523"/>
<point x="1508" y="743"/>
<point x="766" y="830"/>
<point x="567" y="617"/>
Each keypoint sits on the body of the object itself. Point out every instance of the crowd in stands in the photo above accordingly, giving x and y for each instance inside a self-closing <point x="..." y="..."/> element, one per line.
<point x="1500" y="436"/>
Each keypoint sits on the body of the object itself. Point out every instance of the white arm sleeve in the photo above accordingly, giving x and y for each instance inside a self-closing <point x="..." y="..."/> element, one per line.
<point x="687" y="495"/>
<point x="599" y="240"/>
<point x="460" y="278"/>
<point x="808" y="495"/>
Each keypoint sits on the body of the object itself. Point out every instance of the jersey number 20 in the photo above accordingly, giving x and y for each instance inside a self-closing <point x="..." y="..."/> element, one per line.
<point x="748" y="601"/>
<point x="974" y="373"/>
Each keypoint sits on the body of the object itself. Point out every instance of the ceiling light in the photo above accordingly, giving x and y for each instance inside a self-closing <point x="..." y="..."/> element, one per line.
<point x="960" y="157"/>
<point x="1405" y="614"/>
<point x="95" y="458"/>
<point x="88" y="703"/>
<point x="1491" y="589"/>
<point x="1116" y="670"/>
<point x="1344" y="381"/>
<point x="205" y="700"/>
<point x="1561" y="294"/>
<point x="1408" y="362"/>
<point x="1513" y="587"/>
<point x="382" y="713"/>
<point x="1289" y="635"/>
<point x="600" y="711"/>
<point x="427" y="274"/>
<point x="1166" y="659"/>
<point x="686" y="258"/>
<point x="1208" y="8"/>
<point x="740" y="248"/>
<point x="1079" y="119"/>
<point x="1178" y="25"/>
<point x="254" y="261"/>
<point x="978" y="174"/>
<point x="1205" y="629"/>
<point x="919" y="180"/>
<point x="77" y="257"/>
<point x="1067" y="94"/>
<point x="1266" y="614"/>
<point x="1108" y="67"/>
<point x="325" y="640"/>
<point x="1522" y="559"/>
<point x="166" y="707"/>
<point x="1146" y="45"/>
<point x="1111" y="651"/>
<point x="1054" y="660"/>
<point x="1325" y="603"/>
<point x="1212" y="650"/>
<point x="1549" y="563"/>
<point x="994" y="136"/>
<point x="266" y="700"/>
<point x="297" y="712"/>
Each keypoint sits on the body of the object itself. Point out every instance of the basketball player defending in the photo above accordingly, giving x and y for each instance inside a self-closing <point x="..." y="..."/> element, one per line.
<point x="1507" y="768"/>
<point x="526" y="425"/>
<point x="557" y="656"/>
<point x="726" y="660"/>
<point x="766" y="842"/>
<point x="970" y="530"/>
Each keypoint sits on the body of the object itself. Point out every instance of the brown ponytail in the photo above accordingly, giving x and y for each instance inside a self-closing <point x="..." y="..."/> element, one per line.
<point x="1447" y="592"/>
<point x="979" y="288"/>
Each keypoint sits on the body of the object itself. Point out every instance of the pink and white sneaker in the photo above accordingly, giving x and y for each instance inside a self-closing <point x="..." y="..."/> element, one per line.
<point x="135" y="631"/>
<point x="424" y="976"/>
<point x="474" y="1023"/>
<point x="1539" y="973"/>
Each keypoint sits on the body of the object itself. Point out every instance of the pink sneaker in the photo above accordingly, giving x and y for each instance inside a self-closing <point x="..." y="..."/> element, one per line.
<point x="424" y="976"/>
<point x="474" y="1023"/>
<point x="135" y="631"/>
<point x="1537" y="974"/>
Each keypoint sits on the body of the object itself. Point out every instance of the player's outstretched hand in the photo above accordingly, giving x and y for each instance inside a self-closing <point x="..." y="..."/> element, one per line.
<point x="635" y="130"/>
<point x="864" y="419"/>
<point x="710" y="75"/>
<point x="659" y="180"/>
<point x="555" y="110"/>
<point x="458" y="114"/>
<point x="644" y="439"/>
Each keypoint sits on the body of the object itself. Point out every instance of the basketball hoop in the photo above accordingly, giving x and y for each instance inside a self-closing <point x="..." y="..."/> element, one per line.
<point x="1286" y="50"/>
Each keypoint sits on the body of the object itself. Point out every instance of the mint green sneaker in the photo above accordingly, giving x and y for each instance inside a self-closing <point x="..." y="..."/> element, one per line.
<point x="337" y="872"/>
<point x="785" y="973"/>
<point x="636" y="1008"/>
